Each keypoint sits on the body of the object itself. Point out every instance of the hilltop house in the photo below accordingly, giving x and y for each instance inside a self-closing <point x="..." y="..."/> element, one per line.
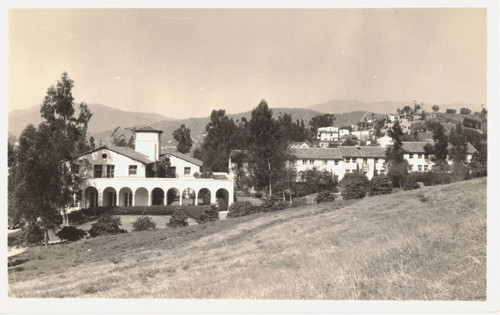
<point x="122" y="176"/>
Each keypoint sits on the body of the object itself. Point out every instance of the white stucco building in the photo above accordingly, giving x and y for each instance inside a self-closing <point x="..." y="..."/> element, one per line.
<point x="122" y="176"/>
<point x="328" y="133"/>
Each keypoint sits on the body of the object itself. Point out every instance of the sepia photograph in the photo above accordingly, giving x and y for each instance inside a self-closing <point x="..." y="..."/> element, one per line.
<point x="274" y="156"/>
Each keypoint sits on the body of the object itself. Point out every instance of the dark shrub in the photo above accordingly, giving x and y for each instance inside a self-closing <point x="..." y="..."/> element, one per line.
<point x="32" y="234"/>
<point x="144" y="210"/>
<point x="240" y="208"/>
<point x="434" y="178"/>
<point x="71" y="233"/>
<point x="258" y="194"/>
<point x="355" y="186"/>
<point x="178" y="219"/>
<point x="410" y="182"/>
<point x="77" y="217"/>
<point x="143" y="223"/>
<point x="106" y="224"/>
<point x="379" y="185"/>
<point x="210" y="214"/>
<point x="325" y="196"/>
<point x="273" y="204"/>
<point x="96" y="211"/>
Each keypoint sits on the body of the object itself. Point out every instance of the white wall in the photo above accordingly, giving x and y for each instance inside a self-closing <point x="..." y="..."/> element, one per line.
<point x="120" y="162"/>
<point x="148" y="143"/>
<point x="180" y="164"/>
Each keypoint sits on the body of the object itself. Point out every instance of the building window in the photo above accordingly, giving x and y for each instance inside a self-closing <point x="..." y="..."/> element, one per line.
<point x="97" y="171"/>
<point x="420" y="155"/>
<point x="110" y="171"/>
<point x="420" y="168"/>
<point x="187" y="170"/>
<point x="75" y="168"/>
<point x="132" y="169"/>
<point x="304" y="162"/>
<point x="426" y="168"/>
<point x="365" y="160"/>
<point x="325" y="162"/>
<point x="410" y="167"/>
<point x="75" y="200"/>
<point x="311" y="162"/>
<point x="426" y="156"/>
<point x="412" y="156"/>
<point x="93" y="200"/>
<point x="382" y="172"/>
<point x="127" y="199"/>
<point x="336" y="162"/>
<point x="376" y="160"/>
<point x="347" y="171"/>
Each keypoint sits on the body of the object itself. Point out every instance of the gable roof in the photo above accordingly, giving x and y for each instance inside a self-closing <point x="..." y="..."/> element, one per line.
<point x="363" y="151"/>
<point x="316" y="153"/>
<point x="184" y="157"/>
<point x="126" y="151"/>
<point x="148" y="129"/>
<point x="418" y="147"/>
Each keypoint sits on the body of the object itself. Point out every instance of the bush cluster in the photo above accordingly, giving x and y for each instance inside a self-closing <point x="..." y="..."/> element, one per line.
<point x="71" y="234"/>
<point x="178" y="219"/>
<point x="379" y="185"/>
<point x="240" y="208"/>
<point x="410" y="182"/>
<point x="210" y="214"/>
<point x="272" y="204"/>
<point x="355" y="186"/>
<point x="32" y="234"/>
<point x="143" y="223"/>
<point x="434" y="178"/>
<point x="106" y="224"/>
<point x="325" y="196"/>
<point x="77" y="217"/>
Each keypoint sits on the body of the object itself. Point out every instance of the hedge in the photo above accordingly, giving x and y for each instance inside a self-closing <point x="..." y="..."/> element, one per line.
<point x="191" y="210"/>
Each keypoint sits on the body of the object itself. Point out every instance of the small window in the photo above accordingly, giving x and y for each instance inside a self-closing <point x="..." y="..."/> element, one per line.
<point x="365" y="160"/>
<point x="325" y="162"/>
<point x="426" y="168"/>
<point x="336" y="162"/>
<point x="347" y="171"/>
<point x="382" y="172"/>
<point x="187" y="170"/>
<point x="104" y="155"/>
<point x="420" y="155"/>
<point x="376" y="160"/>
<point x="110" y="171"/>
<point x="75" y="168"/>
<point x="410" y="167"/>
<point x="426" y="156"/>
<point x="420" y="167"/>
<point x="127" y="199"/>
<point x="97" y="171"/>
<point x="311" y="162"/>
<point x="412" y="155"/>
<point x="132" y="169"/>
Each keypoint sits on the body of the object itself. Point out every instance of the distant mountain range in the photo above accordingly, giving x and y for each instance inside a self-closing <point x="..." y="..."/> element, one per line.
<point x="106" y="119"/>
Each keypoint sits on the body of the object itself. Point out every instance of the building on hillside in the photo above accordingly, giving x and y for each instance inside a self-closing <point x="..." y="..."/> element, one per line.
<point x="303" y="144"/>
<point x="404" y="123"/>
<point x="343" y="132"/>
<point x="362" y="135"/>
<point x="328" y="133"/>
<point x="385" y="141"/>
<point x="329" y="143"/>
<point x="420" y="161"/>
<point x="122" y="176"/>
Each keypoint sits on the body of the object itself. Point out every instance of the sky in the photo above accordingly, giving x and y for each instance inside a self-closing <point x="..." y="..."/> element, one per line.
<point x="185" y="62"/>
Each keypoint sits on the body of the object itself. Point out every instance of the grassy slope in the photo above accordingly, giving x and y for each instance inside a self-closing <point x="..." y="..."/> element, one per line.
<point x="428" y="244"/>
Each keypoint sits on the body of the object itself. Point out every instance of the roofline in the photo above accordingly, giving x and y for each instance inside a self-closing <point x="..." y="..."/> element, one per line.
<point x="156" y="130"/>
<point x="110" y="149"/>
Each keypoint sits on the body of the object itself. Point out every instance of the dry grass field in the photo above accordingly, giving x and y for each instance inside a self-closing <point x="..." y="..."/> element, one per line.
<point x="427" y="244"/>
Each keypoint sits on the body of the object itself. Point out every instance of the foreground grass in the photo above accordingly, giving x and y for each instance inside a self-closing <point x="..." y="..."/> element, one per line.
<point x="428" y="244"/>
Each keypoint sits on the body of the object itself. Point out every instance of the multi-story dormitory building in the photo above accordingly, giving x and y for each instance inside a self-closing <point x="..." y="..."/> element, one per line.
<point x="367" y="159"/>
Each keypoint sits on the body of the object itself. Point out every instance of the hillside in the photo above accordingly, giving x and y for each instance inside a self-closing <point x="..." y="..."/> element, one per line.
<point x="103" y="118"/>
<point x="385" y="107"/>
<point x="427" y="244"/>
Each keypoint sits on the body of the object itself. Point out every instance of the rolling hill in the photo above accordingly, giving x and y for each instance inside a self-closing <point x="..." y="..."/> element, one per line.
<point x="104" y="118"/>
<point x="425" y="244"/>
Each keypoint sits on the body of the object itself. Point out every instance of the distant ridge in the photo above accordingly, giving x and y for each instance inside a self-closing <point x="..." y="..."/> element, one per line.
<point x="103" y="118"/>
<point x="383" y="107"/>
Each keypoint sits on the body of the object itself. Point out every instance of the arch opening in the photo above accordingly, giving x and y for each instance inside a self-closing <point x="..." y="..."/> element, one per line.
<point x="204" y="196"/>
<point x="141" y="197"/>
<point x="222" y="198"/>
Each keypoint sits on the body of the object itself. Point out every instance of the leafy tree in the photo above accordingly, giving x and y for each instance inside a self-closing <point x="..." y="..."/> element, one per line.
<point x="465" y="111"/>
<point x="451" y="111"/>
<point x="286" y="181"/>
<point x="479" y="161"/>
<point x="218" y="142"/>
<point x="143" y="223"/>
<point x="183" y="137"/>
<point x="440" y="145"/>
<point x="396" y="163"/>
<point x="320" y="180"/>
<point x="318" y="121"/>
<point x="292" y="131"/>
<point x="43" y="185"/>
<point x="435" y="108"/>
<point x="106" y="225"/>
<point x="92" y="143"/>
<point x="407" y="109"/>
<point x="379" y="185"/>
<point x="267" y="152"/>
<point x="355" y="186"/>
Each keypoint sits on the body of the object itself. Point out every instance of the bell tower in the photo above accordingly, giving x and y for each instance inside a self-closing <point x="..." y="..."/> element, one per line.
<point x="148" y="142"/>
